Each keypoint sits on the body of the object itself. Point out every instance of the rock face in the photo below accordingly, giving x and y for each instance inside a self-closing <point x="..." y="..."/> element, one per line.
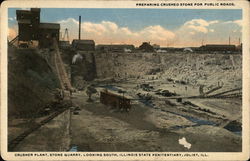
<point x="192" y="68"/>
<point x="83" y="70"/>
<point x="31" y="82"/>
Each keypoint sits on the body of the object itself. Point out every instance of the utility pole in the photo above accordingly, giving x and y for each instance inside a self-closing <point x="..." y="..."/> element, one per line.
<point x="229" y="40"/>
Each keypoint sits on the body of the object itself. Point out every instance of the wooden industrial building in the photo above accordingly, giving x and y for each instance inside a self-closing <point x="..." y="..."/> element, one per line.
<point x="47" y="32"/>
<point x="30" y="29"/>
<point x="218" y="47"/>
<point x="83" y="45"/>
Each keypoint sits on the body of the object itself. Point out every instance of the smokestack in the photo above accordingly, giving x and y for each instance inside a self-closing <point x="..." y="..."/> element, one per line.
<point x="79" y="36"/>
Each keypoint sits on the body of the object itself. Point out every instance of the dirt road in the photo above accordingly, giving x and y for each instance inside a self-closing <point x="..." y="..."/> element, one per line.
<point x="100" y="128"/>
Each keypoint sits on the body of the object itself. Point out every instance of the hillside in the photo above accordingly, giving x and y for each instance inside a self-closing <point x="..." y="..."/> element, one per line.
<point x="31" y="82"/>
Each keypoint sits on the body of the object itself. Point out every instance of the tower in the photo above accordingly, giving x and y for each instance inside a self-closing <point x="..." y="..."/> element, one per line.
<point x="66" y="33"/>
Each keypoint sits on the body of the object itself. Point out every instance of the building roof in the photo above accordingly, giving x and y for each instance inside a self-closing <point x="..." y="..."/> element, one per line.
<point x="24" y="21"/>
<point x="219" y="45"/>
<point x="35" y="10"/>
<point x="114" y="45"/>
<point x="49" y="26"/>
<point x="23" y="12"/>
<point x="83" y="41"/>
<point x="29" y="11"/>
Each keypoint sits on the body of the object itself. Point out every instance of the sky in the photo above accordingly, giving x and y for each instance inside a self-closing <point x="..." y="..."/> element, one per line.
<point x="166" y="27"/>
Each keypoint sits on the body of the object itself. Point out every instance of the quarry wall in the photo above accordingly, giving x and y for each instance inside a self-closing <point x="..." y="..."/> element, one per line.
<point x="192" y="68"/>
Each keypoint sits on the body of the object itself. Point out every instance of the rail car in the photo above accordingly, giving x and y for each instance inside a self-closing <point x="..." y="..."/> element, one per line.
<point x="115" y="100"/>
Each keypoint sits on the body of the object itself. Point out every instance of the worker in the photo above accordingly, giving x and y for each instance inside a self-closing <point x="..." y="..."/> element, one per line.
<point x="70" y="92"/>
<point x="61" y="94"/>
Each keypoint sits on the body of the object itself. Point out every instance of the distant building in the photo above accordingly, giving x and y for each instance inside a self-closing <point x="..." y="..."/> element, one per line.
<point x="155" y="46"/>
<point x="30" y="28"/>
<point x="146" y="47"/>
<point x="115" y="48"/>
<point x="46" y="32"/>
<point x="239" y="47"/>
<point x="219" y="47"/>
<point x="83" y="45"/>
<point x="64" y="44"/>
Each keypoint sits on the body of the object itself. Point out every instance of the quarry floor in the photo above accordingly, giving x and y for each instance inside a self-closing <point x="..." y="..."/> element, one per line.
<point x="97" y="128"/>
<point x="159" y="127"/>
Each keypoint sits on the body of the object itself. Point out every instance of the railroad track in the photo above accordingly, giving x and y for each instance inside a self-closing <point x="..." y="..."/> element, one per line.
<point x="13" y="143"/>
<point x="234" y="95"/>
<point x="65" y="85"/>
